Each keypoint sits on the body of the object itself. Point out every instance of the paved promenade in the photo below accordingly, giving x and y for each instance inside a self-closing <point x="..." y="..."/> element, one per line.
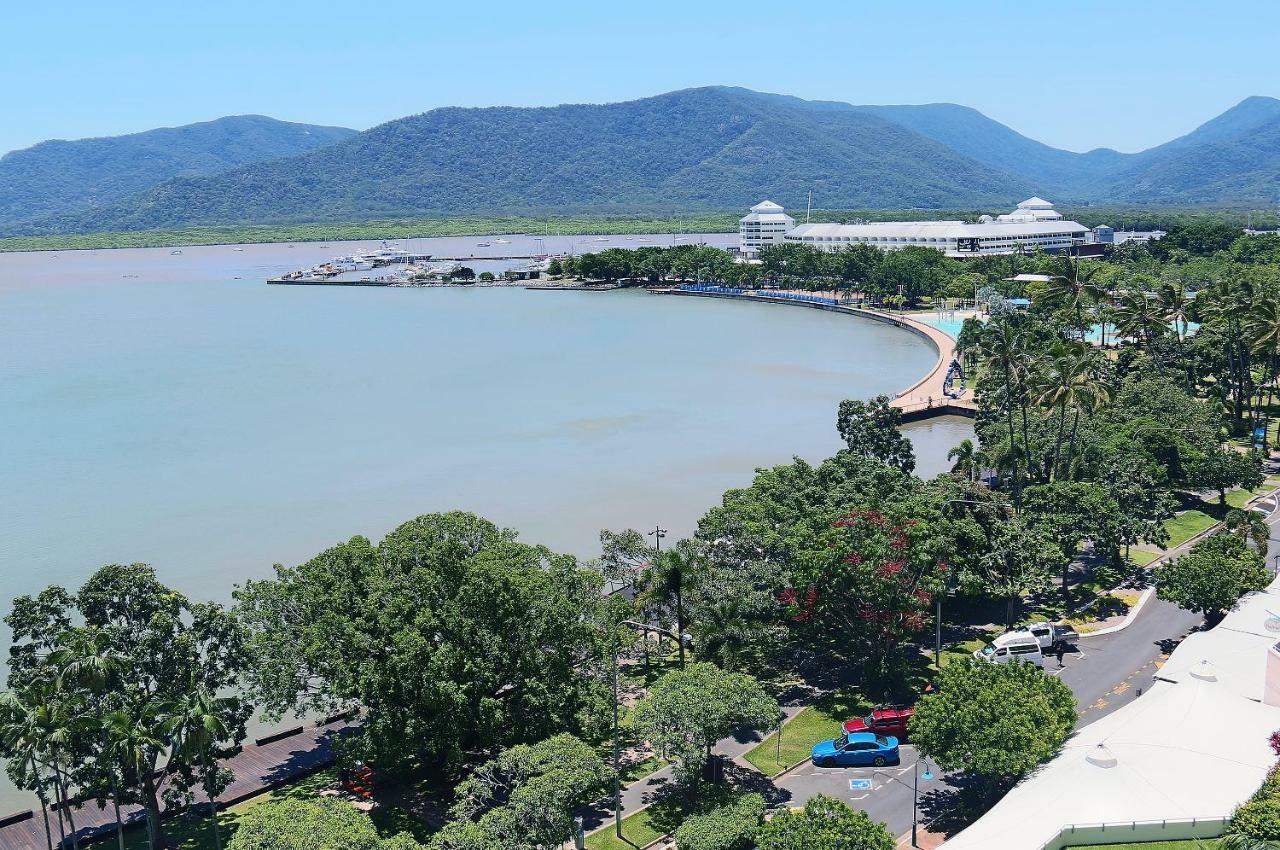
<point x="258" y="768"/>
<point x="918" y="401"/>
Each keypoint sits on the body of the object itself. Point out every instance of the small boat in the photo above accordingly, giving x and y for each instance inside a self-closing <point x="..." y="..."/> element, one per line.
<point x="482" y="245"/>
<point x="175" y="253"/>
<point x="237" y="249"/>
<point x="503" y="241"/>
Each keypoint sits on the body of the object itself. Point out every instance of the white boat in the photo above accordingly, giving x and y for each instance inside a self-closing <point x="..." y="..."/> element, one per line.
<point x="237" y="249"/>
<point x="503" y="241"/>
<point x="482" y="245"/>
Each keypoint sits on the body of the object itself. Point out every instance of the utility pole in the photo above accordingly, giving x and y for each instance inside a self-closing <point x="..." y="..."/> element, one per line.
<point x="617" y="749"/>
<point x="657" y="534"/>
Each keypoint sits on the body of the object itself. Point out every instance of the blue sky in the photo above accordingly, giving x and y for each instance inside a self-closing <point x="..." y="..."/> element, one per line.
<point x="1078" y="75"/>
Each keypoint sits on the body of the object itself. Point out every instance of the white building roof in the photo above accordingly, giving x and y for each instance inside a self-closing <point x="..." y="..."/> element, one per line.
<point x="767" y="207"/>
<point x="1191" y="750"/>
<point x="937" y="229"/>
<point x="1194" y="746"/>
<point x="1036" y="203"/>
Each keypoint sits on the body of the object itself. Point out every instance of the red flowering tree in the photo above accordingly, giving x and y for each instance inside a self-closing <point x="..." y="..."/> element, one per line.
<point x="873" y="587"/>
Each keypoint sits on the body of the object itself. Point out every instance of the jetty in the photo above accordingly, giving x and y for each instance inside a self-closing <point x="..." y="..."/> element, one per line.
<point x="924" y="399"/>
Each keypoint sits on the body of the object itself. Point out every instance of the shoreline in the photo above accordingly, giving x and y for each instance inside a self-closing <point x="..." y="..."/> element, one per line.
<point x="915" y="401"/>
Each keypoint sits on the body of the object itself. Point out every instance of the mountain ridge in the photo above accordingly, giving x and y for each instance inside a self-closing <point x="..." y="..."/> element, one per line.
<point x="697" y="149"/>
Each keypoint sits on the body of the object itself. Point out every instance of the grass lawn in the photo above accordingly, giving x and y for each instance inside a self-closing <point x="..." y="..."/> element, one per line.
<point x="639" y="828"/>
<point x="1141" y="557"/>
<point x="1192" y="844"/>
<point x="1186" y="525"/>
<point x="1239" y="498"/>
<point x="816" y="723"/>
<point x="661" y="818"/>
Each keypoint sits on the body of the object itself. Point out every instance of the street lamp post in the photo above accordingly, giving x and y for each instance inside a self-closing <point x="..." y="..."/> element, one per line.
<point x="915" y="798"/>
<point x="617" y="744"/>
<point x="657" y="534"/>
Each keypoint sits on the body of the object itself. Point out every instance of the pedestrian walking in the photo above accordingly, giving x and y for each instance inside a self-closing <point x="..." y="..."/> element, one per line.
<point x="1062" y="651"/>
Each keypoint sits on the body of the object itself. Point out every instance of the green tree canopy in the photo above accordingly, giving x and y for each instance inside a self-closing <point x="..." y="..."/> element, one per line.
<point x="996" y="721"/>
<point x="870" y="428"/>
<point x="452" y="635"/>
<point x="127" y="668"/>
<point x="1213" y="575"/>
<point x="318" y="824"/>
<point x="525" y="798"/>
<point x="824" y="824"/>
<point x="730" y="827"/>
<point x="688" y="710"/>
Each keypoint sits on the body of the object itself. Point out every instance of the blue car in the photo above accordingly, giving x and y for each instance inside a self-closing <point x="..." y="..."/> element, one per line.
<point x="858" y="749"/>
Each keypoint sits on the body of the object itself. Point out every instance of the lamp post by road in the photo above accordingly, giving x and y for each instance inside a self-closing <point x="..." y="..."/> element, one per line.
<point x="657" y="534"/>
<point x="915" y="796"/>
<point x="682" y="639"/>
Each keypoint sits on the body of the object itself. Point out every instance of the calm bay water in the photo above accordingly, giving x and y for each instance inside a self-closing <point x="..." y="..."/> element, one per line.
<point x="155" y="408"/>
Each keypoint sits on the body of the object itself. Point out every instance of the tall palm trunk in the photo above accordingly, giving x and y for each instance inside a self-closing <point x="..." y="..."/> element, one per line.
<point x="68" y="807"/>
<point x="44" y="803"/>
<point x="1071" y="444"/>
<point x="115" y="802"/>
<point x="680" y="618"/>
<point x="1057" y="444"/>
<point x="1008" y="407"/>
<point x="213" y="807"/>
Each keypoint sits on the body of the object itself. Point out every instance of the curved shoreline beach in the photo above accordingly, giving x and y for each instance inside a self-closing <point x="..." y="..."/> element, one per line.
<point x="920" y="400"/>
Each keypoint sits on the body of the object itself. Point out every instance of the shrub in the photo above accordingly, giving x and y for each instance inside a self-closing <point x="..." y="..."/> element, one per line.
<point x="731" y="827"/>
<point x="1258" y="819"/>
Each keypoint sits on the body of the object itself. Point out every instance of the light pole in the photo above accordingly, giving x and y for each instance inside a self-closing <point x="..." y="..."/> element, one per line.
<point x="617" y="744"/>
<point x="915" y="796"/>
<point x="657" y="534"/>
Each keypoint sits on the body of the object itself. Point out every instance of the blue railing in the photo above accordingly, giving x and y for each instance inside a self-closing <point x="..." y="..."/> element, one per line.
<point x="733" y="290"/>
<point x="791" y="296"/>
<point x="704" y="287"/>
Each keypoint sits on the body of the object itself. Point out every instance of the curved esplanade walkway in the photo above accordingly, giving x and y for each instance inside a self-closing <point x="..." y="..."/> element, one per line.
<point x="922" y="399"/>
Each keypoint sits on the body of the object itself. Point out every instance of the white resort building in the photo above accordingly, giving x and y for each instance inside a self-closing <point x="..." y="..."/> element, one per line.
<point x="1035" y="224"/>
<point x="766" y="224"/>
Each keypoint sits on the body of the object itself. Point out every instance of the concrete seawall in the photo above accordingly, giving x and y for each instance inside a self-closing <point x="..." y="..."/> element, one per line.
<point x="923" y="399"/>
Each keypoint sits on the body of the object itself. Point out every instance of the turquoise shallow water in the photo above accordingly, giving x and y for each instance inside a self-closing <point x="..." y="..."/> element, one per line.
<point x="213" y="426"/>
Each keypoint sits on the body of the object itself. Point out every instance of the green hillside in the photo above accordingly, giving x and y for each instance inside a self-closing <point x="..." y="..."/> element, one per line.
<point x="699" y="149"/>
<point x="57" y="177"/>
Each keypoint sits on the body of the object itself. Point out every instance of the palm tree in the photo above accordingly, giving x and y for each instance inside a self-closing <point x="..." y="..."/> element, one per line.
<point x="24" y="726"/>
<point x="669" y="574"/>
<point x="1073" y="289"/>
<point x="965" y="456"/>
<point x="85" y="666"/>
<point x="1005" y="349"/>
<point x="129" y="748"/>
<point x="1250" y="526"/>
<point x="1263" y="328"/>
<point x="1138" y="315"/>
<point x="195" y="724"/>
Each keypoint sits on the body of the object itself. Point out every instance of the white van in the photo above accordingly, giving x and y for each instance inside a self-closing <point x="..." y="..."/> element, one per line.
<point x="1053" y="636"/>
<point x="1012" y="646"/>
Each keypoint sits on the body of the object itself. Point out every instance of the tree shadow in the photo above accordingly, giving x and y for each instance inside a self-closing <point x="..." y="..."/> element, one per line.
<point x="951" y="808"/>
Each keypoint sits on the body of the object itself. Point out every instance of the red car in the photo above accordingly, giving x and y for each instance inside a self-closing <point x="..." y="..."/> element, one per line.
<point x="891" y="720"/>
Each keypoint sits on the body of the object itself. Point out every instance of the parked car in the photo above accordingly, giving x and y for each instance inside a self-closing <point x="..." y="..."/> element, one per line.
<point x="1053" y="636"/>
<point x="886" y="720"/>
<point x="1012" y="646"/>
<point x="860" y="749"/>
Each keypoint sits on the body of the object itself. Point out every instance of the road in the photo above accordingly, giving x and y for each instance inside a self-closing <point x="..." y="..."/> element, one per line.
<point x="1104" y="673"/>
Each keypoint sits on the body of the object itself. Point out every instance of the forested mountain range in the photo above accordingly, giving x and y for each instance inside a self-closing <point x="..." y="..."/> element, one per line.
<point x="714" y="148"/>
<point x="59" y="176"/>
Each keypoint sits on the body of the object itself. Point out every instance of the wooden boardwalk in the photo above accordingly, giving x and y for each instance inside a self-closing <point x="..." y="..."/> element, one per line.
<point x="258" y="768"/>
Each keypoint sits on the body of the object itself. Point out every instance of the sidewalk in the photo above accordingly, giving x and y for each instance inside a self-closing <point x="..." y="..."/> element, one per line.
<point x="647" y="789"/>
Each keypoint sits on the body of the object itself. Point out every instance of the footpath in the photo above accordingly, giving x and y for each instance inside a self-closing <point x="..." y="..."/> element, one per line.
<point x="267" y="764"/>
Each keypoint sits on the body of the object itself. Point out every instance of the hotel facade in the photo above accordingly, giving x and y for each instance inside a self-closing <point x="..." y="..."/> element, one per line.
<point x="1035" y="224"/>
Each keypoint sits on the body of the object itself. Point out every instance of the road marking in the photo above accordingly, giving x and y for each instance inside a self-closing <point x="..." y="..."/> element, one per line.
<point x="1120" y="688"/>
<point x="860" y="785"/>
